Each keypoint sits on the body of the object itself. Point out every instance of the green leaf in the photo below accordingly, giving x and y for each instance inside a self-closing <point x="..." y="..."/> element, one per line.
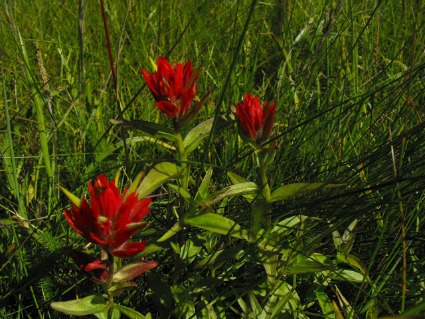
<point x="158" y="175"/>
<point x="288" y="225"/>
<point x="153" y="129"/>
<point x="105" y="313"/>
<point x="150" y="249"/>
<point x="291" y="190"/>
<point x="348" y="237"/>
<point x="131" y="313"/>
<point x="337" y="239"/>
<point x="133" y="270"/>
<point x="200" y="132"/>
<point x="74" y="199"/>
<point x="283" y="297"/>
<point x="302" y="264"/>
<point x="203" y="189"/>
<point x="347" y="275"/>
<point x="119" y="288"/>
<point x="233" y="190"/>
<point x="246" y="310"/>
<point x="352" y="261"/>
<point x="217" y="224"/>
<point x="189" y="250"/>
<point x="236" y="179"/>
<point x="255" y="305"/>
<point x="81" y="307"/>
<point x="171" y="232"/>
<point x="345" y="243"/>
<point x="134" y="185"/>
<point x="325" y="304"/>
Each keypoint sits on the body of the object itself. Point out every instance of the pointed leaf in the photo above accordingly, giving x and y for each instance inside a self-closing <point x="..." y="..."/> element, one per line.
<point x="171" y="232"/>
<point x="255" y="305"/>
<point x="348" y="237"/>
<point x="325" y="304"/>
<point x="217" y="224"/>
<point x="282" y="297"/>
<point x="74" y="199"/>
<point x="288" y="225"/>
<point x="150" y="249"/>
<point x="302" y="264"/>
<point x="133" y="270"/>
<point x="337" y="239"/>
<point x="203" y="190"/>
<point x="131" y="313"/>
<point x="200" y="132"/>
<point x="347" y="275"/>
<point x="236" y="179"/>
<point x="158" y="175"/>
<point x="81" y="307"/>
<point x="338" y="313"/>
<point x="233" y="190"/>
<point x="352" y="261"/>
<point x="134" y="185"/>
<point x="119" y="288"/>
<point x="291" y="190"/>
<point x="105" y="313"/>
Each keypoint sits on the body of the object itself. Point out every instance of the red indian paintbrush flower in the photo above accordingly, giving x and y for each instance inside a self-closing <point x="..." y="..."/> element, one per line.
<point x="256" y="123"/>
<point x="111" y="218"/>
<point x="174" y="89"/>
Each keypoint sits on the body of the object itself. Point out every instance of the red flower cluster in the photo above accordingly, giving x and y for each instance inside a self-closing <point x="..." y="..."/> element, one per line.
<point x="256" y="123"/>
<point x="174" y="89"/>
<point x="110" y="219"/>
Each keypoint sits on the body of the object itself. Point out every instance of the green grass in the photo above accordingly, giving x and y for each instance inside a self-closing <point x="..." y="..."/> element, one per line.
<point x="348" y="78"/>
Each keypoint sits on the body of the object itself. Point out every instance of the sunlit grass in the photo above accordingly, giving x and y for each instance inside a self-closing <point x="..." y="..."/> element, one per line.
<point x="348" y="78"/>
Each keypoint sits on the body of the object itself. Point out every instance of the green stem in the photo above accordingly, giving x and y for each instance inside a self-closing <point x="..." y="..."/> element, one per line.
<point x="184" y="185"/>
<point x="262" y="215"/>
<point x="111" y="271"/>
<point x="182" y="155"/>
<point x="261" y="208"/>
<point x="265" y="188"/>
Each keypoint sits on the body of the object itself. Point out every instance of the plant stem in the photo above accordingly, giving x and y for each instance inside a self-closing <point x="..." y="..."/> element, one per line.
<point x="182" y="155"/>
<point x="184" y="185"/>
<point x="261" y="215"/>
<point x="261" y="208"/>
<point x="265" y="188"/>
<point x="109" y="283"/>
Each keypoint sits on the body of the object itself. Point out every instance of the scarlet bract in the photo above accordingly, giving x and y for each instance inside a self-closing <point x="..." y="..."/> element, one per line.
<point x="110" y="218"/>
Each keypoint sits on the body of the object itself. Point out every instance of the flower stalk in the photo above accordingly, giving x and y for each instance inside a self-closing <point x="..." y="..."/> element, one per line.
<point x="109" y="283"/>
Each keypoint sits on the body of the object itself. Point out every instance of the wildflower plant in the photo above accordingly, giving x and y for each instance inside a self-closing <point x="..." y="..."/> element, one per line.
<point x="271" y="140"/>
<point x="111" y="217"/>
<point x="174" y="89"/>
<point x="108" y="220"/>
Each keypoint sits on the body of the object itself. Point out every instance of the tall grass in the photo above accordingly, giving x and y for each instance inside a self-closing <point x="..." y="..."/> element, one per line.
<point x="348" y="77"/>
